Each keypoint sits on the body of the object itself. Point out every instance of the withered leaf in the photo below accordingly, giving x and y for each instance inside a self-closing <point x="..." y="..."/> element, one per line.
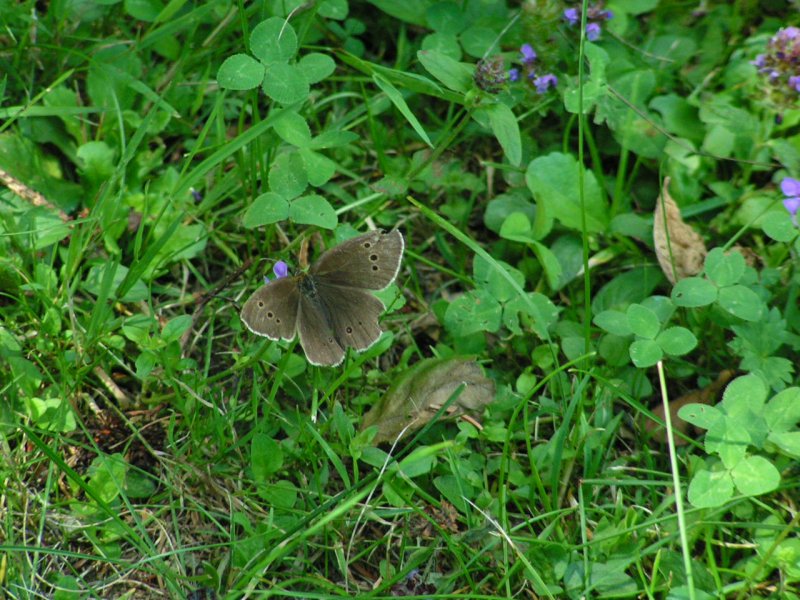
<point x="705" y="396"/>
<point x="416" y="397"/>
<point x="679" y="248"/>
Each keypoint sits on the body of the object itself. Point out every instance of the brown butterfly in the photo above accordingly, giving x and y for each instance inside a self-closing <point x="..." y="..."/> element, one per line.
<point x="330" y="306"/>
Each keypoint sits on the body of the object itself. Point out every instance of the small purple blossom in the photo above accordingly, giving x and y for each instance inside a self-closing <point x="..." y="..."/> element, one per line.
<point x="791" y="189"/>
<point x="571" y="15"/>
<point x="528" y="54"/>
<point x="281" y="269"/>
<point x="760" y="61"/>
<point x="545" y="82"/>
<point x="794" y="82"/>
<point x="513" y="75"/>
<point x="593" y="31"/>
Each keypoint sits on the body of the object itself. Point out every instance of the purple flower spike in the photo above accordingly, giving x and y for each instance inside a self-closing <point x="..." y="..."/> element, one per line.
<point x="513" y="75"/>
<point x="572" y="16"/>
<point x="592" y="31"/>
<point x="790" y="186"/>
<point x="281" y="269"/>
<point x="528" y="54"/>
<point x="545" y="82"/>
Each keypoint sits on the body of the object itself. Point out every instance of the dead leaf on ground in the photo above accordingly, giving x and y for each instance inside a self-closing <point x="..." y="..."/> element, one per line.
<point x="705" y="396"/>
<point x="420" y="392"/>
<point x="676" y="243"/>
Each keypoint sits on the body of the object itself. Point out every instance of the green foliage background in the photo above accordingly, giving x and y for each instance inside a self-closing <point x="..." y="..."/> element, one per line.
<point x="158" y="158"/>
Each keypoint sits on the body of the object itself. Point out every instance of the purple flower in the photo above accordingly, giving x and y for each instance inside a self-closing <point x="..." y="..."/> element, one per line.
<point x="572" y="16"/>
<point x="607" y="14"/>
<point x="545" y="82"/>
<point x="593" y="31"/>
<point x="760" y="61"/>
<point x="791" y="189"/>
<point x="281" y="269"/>
<point x="528" y="54"/>
<point x="513" y="75"/>
<point x="794" y="82"/>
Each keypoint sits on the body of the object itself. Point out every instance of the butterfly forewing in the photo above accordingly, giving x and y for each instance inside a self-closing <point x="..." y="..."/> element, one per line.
<point x="370" y="261"/>
<point x="272" y="310"/>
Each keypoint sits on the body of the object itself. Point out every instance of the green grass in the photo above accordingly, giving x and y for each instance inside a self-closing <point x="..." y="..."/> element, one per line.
<point x="158" y="160"/>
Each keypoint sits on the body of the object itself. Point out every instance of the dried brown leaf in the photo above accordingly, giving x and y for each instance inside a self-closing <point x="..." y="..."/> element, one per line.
<point x="418" y="395"/>
<point x="679" y="248"/>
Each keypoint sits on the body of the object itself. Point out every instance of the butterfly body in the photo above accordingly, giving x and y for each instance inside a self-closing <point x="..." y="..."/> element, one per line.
<point x="330" y="307"/>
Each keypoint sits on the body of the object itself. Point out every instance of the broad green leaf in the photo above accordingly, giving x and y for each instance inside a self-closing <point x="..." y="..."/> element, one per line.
<point x="266" y="209"/>
<point x="285" y="84"/>
<point x="741" y="302"/>
<point x="293" y="129"/>
<point x="755" y="475"/>
<point x="478" y="40"/>
<point x="273" y="41"/>
<point x="787" y="441"/>
<point x="546" y="311"/>
<point x="399" y="102"/>
<point x="446" y="17"/>
<point x="282" y="494"/>
<point x="503" y="206"/>
<point x="333" y="9"/>
<point x="728" y="440"/>
<point x="319" y="168"/>
<point x="266" y="457"/>
<point x="724" y="269"/>
<point x="614" y="321"/>
<point x="472" y="312"/>
<point x="744" y="394"/>
<point x="517" y="228"/>
<point x="316" y="66"/>
<point x="778" y="225"/>
<point x="107" y="476"/>
<point x="553" y="180"/>
<point x="593" y="89"/>
<point x="782" y="413"/>
<point x="506" y="130"/>
<point x="240" y="72"/>
<point x="700" y="415"/>
<point x="444" y="44"/>
<point x="693" y="292"/>
<point x="643" y="321"/>
<point x="645" y="353"/>
<point x="313" y="210"/>
<point x="333" y="138"/>
<point x="550" y="264"/>
<point x="175" y="328"/>
<point x="709" y="490"/>
<point x="455" y="75"/>
<point x="676" y="341"/>
<point x="489" y="278"/>
<point x="287" y="175"/>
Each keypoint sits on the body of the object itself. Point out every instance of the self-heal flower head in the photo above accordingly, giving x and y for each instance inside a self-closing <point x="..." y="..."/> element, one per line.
<point x="490" y="74"/>
<point x="593" y="31"/>
<point x="571" y="15"/>
<point x="791" y="189"/>
<point x="545" y="82"/>
<point x="528" y="54"/>
<point x="281" y="269"/>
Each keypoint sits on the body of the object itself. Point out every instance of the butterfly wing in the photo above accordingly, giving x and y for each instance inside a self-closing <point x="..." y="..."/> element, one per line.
<point x="353" y="315"/>
<point x="316" y="334"/>
<point x="272" y="310"/>
<point x="370" y="261"/>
